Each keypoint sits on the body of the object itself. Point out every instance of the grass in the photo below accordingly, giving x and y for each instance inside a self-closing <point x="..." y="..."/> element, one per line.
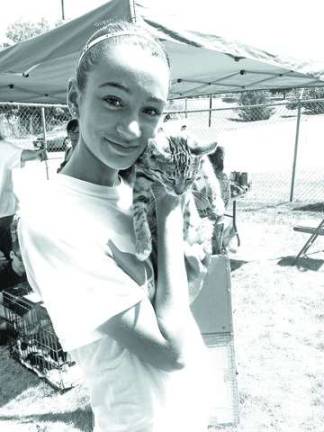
<point x="278" y="314"/>
<point x="31" y="405"/>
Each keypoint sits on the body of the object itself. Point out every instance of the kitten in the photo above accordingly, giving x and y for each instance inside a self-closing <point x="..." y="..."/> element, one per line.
<point x="181" y="165"/>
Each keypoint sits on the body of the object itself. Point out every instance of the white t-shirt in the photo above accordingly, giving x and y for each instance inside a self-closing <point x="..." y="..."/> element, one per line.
<point x="10" y="158"/>
<point x="64" y="230"/>
<point x="64" y="237"/>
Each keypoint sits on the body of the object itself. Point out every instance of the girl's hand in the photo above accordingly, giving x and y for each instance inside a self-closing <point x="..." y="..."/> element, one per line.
<point x="158" y="190"/>
<point x="163" y="199"/>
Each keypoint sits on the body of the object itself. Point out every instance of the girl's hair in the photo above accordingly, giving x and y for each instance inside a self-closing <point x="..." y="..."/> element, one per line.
<point x="112" y="34"/>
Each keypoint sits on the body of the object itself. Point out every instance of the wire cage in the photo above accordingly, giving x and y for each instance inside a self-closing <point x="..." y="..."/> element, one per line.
<point x="35" y="344"/>
<point x="212" y="310"/>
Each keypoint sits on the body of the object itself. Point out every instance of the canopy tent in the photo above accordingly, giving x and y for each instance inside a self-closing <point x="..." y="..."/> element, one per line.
<point x="37" y="70"/>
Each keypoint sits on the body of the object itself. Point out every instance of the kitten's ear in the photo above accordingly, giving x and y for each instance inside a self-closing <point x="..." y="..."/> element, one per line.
<point x="200" y="149"/>
<point x="160" y="143"/>
<point x="211" y="147"/>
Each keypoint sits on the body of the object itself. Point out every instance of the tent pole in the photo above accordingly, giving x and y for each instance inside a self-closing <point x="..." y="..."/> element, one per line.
<point x="62" y="9"/>
<point x="44" y="137"/>
<point x="132" y="13"/>
<point x="210" y="110"/>
<point x="292" y="185"/>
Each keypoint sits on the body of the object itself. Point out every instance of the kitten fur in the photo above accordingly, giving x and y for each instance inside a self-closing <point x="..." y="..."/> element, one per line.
<point x="182" y="167"/>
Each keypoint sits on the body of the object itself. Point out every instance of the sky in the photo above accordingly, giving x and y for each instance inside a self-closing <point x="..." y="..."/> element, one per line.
<point x="292" y="28"/>
<point x="51" y="10"/>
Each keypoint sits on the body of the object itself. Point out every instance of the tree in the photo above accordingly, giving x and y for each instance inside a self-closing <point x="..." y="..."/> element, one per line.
<point x="5" y="43"/>
<point x="255" y="97"/>
<point x="25" y="120"/>
<point x="20" y="30"/>
<point x="23" y="30"/>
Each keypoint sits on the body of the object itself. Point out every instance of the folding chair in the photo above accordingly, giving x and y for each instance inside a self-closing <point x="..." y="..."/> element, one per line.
<point x="315" y="232"/>
<point x="239" y="186"/>
<point x="233" y="216"/>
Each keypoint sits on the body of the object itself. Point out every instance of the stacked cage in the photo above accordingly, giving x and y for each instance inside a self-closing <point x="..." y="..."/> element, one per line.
<point x="35" y="344"/>
<point x="212" y="310"/>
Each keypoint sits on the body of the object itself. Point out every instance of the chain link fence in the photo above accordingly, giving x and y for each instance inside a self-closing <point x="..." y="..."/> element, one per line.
<point x="25" y="124"/>
<point x="278" y="144"/>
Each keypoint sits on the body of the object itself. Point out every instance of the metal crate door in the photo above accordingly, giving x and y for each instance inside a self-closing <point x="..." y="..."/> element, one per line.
<point x="213" y="312"/>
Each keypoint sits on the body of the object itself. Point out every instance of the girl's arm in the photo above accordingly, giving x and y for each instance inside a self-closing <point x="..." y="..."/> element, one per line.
<point x="164" y="334"/>
<point x="28" y="155"/>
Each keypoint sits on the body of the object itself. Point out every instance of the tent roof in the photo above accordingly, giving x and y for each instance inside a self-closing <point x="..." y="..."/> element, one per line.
<point x="37" y="70"/>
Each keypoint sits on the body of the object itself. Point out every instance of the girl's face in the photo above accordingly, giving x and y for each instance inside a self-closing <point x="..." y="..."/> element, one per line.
<point x="121" y="105"/>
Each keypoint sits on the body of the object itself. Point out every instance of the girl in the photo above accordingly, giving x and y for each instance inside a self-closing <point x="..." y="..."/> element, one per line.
<point x="137" y="342"/>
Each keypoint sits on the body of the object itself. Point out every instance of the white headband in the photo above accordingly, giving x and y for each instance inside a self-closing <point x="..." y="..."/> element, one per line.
<point x="116" y="34"/>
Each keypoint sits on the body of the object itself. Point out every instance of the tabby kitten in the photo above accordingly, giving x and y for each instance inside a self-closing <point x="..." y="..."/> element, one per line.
<point x="181" y="165"/>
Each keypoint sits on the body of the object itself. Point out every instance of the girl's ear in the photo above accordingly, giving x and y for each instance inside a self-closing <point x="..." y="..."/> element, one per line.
<point x="73" y="98"/>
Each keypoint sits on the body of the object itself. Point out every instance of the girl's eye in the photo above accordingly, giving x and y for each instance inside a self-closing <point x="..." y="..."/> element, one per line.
<point x="113" y="101"/>
<point x="151" y="111"/>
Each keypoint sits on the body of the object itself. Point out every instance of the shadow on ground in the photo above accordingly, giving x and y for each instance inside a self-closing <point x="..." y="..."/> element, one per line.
<point x="235" y="119"/>
<point x="236" y="264"/>
<point x="315" y="207"/>
<point x="10" y="387"/>
<point x="80" y="419"/>
<point x="251" y="207"/>
<point x="304" y="263"/>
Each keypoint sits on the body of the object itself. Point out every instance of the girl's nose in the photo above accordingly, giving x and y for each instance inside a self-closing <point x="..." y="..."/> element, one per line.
<point x="129" y="130"/>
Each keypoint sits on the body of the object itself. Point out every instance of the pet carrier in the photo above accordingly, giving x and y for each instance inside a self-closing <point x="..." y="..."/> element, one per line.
<point x="35" y="344"/>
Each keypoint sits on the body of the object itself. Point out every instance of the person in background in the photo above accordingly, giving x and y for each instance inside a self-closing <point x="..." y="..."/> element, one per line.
<point x="72" y="130"/>
<point x="217" y="160"/>
<point x="13" y="280"/>
<point x="11" y="157"/>
<point x="222" y="227"/>
<point x="131" y="331"/>
<point x="13" y="272"/>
